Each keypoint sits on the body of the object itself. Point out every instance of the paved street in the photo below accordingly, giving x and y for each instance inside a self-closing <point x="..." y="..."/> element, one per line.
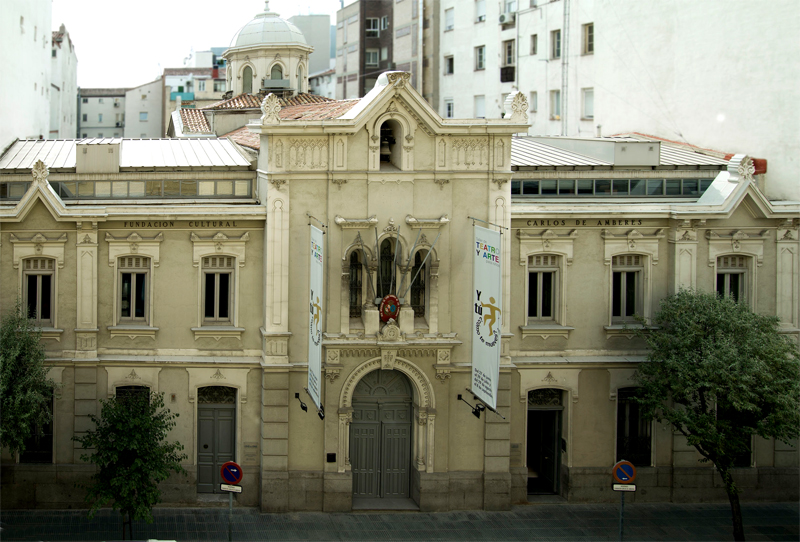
<point x="532" y="522"/>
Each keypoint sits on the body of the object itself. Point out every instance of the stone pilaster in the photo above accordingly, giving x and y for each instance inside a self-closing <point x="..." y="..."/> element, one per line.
<point x="275" y="440"/>
<point x="497" y="448"/>
<point x="86" y="270"/>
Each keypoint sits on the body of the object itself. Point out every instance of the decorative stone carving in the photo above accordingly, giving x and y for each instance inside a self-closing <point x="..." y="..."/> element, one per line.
<point x="38" y="245"/>
<point x="270" y="109"/>
<point x="388" y="357"/>
<point x="547" y="241"/>
<point x="737" y="242"/>
<point x="277" y="183"/>
<point x="355" y="223"/>
<point x="500" y="182"/>
<point x="308" y="153"/>
<point x="441" y="182"/>
<point x="40" y="171"/>
<point x="426" y="223"/>
<point x="391" y="227"/>
<point x="133" y="244"/>
<point x="390" y="332"/>
<point x="220" y="243"/>
<point x="218" y="375"/>
<point x="516" y="107"/>
<point x="398" y="79"/>
<point x="471" y="152"/>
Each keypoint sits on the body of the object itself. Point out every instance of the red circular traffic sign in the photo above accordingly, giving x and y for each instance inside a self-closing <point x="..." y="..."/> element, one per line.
<point x="624" y="472"/>
<point x="231" y="473"/>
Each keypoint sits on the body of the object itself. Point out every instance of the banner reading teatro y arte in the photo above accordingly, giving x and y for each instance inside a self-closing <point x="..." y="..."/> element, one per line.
<point x="315" y="302"/>
<point x="487" y="311"/>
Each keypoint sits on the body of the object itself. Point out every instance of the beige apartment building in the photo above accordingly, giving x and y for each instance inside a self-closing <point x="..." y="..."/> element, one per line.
<point x="183" y="266"/>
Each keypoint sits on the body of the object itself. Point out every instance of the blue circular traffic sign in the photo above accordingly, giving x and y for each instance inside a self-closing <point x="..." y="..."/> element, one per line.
<point x="231" y="473"/>
<point x="624" y="472"/>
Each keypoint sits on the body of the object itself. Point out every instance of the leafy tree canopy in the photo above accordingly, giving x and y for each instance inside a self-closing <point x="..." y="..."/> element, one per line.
<point x="24" y="385"/>
<point x="130" y="449"/>
<point x="719" y="373"/>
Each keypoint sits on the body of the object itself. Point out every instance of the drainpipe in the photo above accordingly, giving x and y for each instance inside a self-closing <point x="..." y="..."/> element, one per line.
<point x="565" y="71"/>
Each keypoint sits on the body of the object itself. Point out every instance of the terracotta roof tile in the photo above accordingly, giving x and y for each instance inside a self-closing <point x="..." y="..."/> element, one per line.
<point x="194" y="121"/>
<point x="318" y="111"/>
<point x="245" y="138"/>
<point x="253" y="101"/>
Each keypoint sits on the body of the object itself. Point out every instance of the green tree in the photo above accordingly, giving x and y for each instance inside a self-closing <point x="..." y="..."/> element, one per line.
<point x="132" y="455"/>
<point x="24" y="385"/>
<point x="719" y="373"/>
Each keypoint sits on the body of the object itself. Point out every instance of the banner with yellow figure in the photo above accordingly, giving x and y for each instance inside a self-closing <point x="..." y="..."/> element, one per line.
<point x="486" y="315"/>
<point x="315" y="313"/>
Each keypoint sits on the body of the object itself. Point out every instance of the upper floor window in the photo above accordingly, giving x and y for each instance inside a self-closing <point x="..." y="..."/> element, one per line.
<point x="534" y="44"/>
<point x="510" y="6"/>
<point x="534" y="102"/>
<point x="480" y="107"/>
<point x="480" y="11"/>
<point x="418" y="285"/>
<point x="555" y="44"/>
<point x="509" y="52"/>
<point x="219" y="86"/>
<point x="201" y="85"/>
<point x="449" y="109"/>
<point x="449" y="19"/>
<point x="634" y="436"/>
<point x="276" y="72"/>
<point x="143" y="116"/>
<point x="387" y="269"/>
<point x="588" y="39"/>
<point x="371" y="57"/>
<point x="217" y="289"/>
<point x="39" y="289"/>
<point x="555" y="104"/>
<point x="542" y="288"/>
<point x="384" y="22"/>
<point x="134" y="282"/>
<point x="449" y="65"/>
<point x="732" y="277"/>
<point x="587" y="99"/>
<point x="356" y="285"/>
<point x="372" y="27"/>
<point x="247" y="80"/>
<point x="480" y="57"/>
<point x="626" y="295"/>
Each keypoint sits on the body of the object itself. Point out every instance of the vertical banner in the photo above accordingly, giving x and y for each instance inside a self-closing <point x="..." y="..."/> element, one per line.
<point x="316" y="310"/>
<point x="487" y="314"/>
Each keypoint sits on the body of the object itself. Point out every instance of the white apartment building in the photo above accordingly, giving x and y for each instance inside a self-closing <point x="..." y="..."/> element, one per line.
<point x="25" y="29"/>
<point x="63" y="86"/>
<point x="101" y="112"/>
<point x="143" y="110"/>
<point x="667" y="69"/>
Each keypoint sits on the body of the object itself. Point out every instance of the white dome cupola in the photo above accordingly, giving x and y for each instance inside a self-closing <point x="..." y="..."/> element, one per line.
<point x="270" y="54"/>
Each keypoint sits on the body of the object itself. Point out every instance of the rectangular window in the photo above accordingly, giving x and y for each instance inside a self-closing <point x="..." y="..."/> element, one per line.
<point x="588" y="39"/>
<point x="555" y="44"/>
<point x="38" y="279"/>
<point x="85" y="100"/>
<point x="133" y="285"/>
<point x="626" y="288"/>
<point x="633" y="431"/>
<point x="511" y="6"/>
<point x="448" y="109"/>
<point x="542" y="284"/>
<point x="384" y="55"/>
<point x="143" y="116"/>
<point x="449" y="65"/>
<point x="84" y="117"/>
<point x="201" y="85"/>
<point x="480" y="57"/>
<point x="449" y="19"/>
<point x="53" y="53"/>
<point x="731" y="277"/>
<point x="39" y="446"/>
<point x="99" y="117"/>
<point x="555" y="105"/>
<point x="384" y="22"/>
<point x="534" y="44"/>
<point x="100" y="100"/>
<point x="219" y="86"/>
<point x="371" y="57"/>
<point x="534" y="102"/>
<point x="588" y="103"/>
<point x="480" y="11"/>
<point x="480" y="107"/>
<point x="509" y="53"/>
<point x="217" y="289"/>
<point x="372" y="27"/>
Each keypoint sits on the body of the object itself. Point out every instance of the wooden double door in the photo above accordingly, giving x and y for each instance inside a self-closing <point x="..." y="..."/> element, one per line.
<point x="380" y="436"/>
<point x="216" y="435"/>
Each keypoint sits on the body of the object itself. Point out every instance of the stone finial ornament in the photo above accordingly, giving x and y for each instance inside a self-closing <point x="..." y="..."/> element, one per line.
<point x="746" y="169"/>
<point x="398" y="79"/>
<point x="517" y="104"/>
<point x="271" y="109"/>
<point x="39" y="172"/>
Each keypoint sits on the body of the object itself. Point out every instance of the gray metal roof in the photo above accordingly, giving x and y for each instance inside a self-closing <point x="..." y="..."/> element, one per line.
<point x="134" y="153"/>
<point x="528" y="153"/>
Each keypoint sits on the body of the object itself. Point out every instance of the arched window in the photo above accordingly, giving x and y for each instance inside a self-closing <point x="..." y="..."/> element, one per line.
<point x="356" y="274"/>
<point x="247" y="80"/>
<point x="276" y="73"/>
<point x="385" y="274"/>
<point x="418" y="286"/>
<point x="300" y="79"/>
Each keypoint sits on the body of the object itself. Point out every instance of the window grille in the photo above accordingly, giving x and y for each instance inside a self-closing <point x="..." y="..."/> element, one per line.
<point x="134" y="262"/>
<point x="39" y="264"/>
<point x="543" y="261"/>
<point x="218" y="262"/>
<point x="628" y="260"/>
<point x="356" y="274"/>
<point x="732" y="262"/>
<point x="418" y="287"/>
<point x="216" y="395"/>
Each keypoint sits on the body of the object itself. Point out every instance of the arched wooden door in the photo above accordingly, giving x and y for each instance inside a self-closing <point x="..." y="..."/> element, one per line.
<point x="380" y="436"/>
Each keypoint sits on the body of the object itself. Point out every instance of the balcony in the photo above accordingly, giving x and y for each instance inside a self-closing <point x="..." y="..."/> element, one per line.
<point x="507" y="74"/>
<point x="184" y="96"/>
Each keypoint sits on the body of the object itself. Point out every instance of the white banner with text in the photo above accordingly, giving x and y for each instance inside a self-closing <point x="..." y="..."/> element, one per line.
<point x="316" y="310"/>
<point x="487" y="314"/>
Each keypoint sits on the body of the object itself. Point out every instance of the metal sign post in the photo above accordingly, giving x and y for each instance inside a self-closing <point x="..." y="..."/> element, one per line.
<point x="231" y="473"/>
<point x="623" y="472"/>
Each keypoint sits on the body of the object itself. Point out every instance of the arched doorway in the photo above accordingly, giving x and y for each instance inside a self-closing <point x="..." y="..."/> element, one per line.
<point x="216" y="434"/>
<point x="380" y="436"/>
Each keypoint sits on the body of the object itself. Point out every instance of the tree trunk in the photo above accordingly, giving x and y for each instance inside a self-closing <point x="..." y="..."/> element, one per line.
<point x="736" y="509"/>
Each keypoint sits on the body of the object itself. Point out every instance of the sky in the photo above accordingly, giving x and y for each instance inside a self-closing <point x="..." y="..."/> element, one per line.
<point x="126" y="44"/>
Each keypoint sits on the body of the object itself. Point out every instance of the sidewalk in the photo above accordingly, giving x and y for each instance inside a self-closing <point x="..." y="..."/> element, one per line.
<point x="768" y="521"/>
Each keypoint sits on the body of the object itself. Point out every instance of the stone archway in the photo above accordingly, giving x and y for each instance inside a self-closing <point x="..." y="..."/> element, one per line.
<point x="424" y="409"/>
